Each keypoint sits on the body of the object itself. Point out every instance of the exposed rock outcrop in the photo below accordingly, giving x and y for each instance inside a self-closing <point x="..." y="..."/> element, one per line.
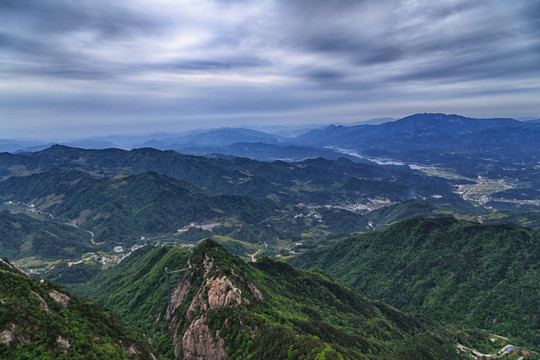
<point x="216" y="290"/>
<point x="62" y="343"/>
<point x="6" y="336"/>
<point x="42" y="302"/>
<point x="59" y="297"/>
<point x="198" y="342"/>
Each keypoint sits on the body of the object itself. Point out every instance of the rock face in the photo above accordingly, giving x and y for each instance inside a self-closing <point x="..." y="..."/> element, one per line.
<point x="59" y="297"/>
<point x="199" y="342"/>
<point x="62" y="343"/>
<point x="7" y="336"/>
<point x="42" y="302"/>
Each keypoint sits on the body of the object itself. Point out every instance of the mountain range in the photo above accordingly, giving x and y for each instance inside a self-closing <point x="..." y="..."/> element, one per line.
<point x="421" y="257"/>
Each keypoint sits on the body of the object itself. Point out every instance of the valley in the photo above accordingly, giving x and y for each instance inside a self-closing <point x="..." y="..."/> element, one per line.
<point x="446" y="236"/>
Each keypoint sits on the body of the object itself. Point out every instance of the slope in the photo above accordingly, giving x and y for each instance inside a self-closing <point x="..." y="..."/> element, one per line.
<point x="39" y="320"/>
<point x="24" y="236"/>
<point x="315" y="181"/>
<point x="487" y="276"/>
<point x="223" y="307"/>
<point x="125" y="207"/>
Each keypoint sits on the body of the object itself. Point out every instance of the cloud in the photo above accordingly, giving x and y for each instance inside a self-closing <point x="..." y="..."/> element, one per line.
<point x="275" y="59"/>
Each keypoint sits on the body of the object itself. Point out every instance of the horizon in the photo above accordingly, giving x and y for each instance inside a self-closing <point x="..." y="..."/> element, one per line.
<point x="95" y="68"/>
<point x="148" y="136"/>
<point x="261" y="128"/>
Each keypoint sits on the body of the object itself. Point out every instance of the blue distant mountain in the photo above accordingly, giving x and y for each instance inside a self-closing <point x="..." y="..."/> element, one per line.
<point x="426" y="131"/>
<point x="214" y="137"/>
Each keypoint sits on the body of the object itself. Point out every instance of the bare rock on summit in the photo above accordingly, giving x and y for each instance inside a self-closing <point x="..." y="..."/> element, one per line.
<point x="199" y="344"/>
<point x="221" y="292"/>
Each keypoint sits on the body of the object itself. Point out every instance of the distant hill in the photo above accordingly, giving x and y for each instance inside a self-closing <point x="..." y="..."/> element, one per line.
<point x="407" y="209"/>
<point x="314" y="181"/>
<point x="415" y="132"/>
<point x="121" y="208"/>
<point x="526" y="219"/>
<point x="488" y="147"/>
<point x="213" y="137"/>
<point x="264" y="152"/>
<point x="485" y="276"/>
<point x="23" y="236"/>
<point x="223" y="308"/>
<point x="40" y="320"/>
<point x="8" y="145"/>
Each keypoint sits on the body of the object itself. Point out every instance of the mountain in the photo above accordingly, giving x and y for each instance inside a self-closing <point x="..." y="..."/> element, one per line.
<point x="12" y="146"/>
<point x="40" y="320"/>
<point x="419" y="131"/>
<point x="485" y="276"/>
<point x="125" y="207"/>
<point x="222" y="307"/>
<point x="132" y="209"/>
<point x="23" y="236"/>
<point x="314" y="181"/>
<point x="493" y="148"/>
<point x="264" y="152"/>
<point x="213" y="137"/>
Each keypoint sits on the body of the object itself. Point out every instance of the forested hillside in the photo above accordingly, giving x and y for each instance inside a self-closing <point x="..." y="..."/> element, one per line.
<point x="486" y="276"/>
<point x="314" y="181"/>
<point x="223" y="307"/>
<point x="39" y="320"/>
<point x="23" y="236"/>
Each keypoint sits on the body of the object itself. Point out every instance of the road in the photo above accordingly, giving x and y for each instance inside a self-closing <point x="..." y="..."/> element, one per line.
<point x="254" y="254"/>
<point x="478" y="354"/>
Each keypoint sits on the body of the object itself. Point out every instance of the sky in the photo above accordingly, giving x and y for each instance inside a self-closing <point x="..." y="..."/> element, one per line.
<point x="96" y="67"/>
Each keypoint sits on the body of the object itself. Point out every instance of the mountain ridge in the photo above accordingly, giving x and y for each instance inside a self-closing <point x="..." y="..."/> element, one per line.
<point x="447" y="269"/>
<point x="223" y="307"/>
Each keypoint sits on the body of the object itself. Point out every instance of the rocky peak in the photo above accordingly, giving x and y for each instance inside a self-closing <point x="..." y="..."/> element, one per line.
<point x="210" y="284"/>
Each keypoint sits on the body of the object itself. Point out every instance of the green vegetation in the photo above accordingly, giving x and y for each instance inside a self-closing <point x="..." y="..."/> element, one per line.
<point x="314" y="181"/>
<point x="485" y="276"/>
<point x="526" y="219"/>
<point x="268" y="310"/>
<point x="135" y="288"/>
<point x="236" y="247"/>
<point x="39" y="320"/>
<point x="23" y="236"/>
<point x="125" y="207"/>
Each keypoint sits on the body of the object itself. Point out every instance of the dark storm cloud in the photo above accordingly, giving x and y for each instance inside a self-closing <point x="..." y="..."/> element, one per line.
<point x="231" y="59"/>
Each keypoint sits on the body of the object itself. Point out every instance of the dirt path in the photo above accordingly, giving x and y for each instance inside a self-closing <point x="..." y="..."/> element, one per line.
<point x="254" y="254"/>
<point x="92" y="239"/>
<point x="478" y="354"/>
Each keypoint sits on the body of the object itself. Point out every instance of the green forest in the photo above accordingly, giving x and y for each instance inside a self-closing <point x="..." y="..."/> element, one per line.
<point x="456" y="272"/>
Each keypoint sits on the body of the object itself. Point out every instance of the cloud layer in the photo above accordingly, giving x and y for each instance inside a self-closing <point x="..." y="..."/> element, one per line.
<point x="94" y="67"/>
